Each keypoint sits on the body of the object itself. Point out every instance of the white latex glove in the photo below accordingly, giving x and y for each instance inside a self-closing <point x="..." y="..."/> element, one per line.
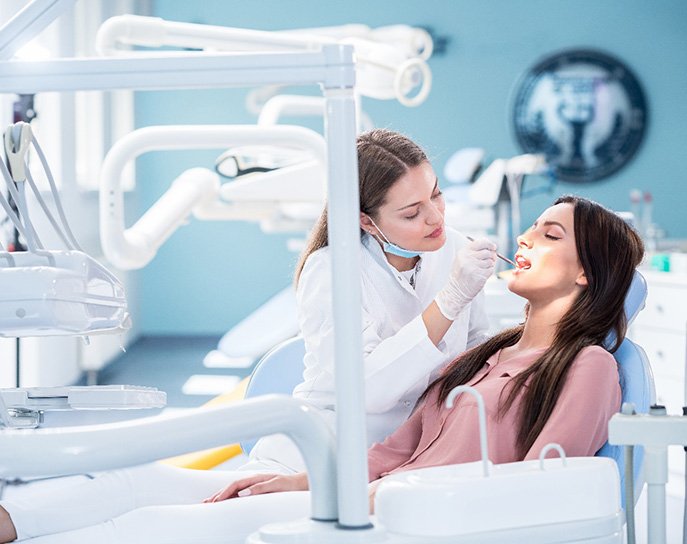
<point x="472" y="267"/>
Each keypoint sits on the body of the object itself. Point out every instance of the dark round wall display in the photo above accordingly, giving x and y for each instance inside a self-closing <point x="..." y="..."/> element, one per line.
<point x="585" y="110"/>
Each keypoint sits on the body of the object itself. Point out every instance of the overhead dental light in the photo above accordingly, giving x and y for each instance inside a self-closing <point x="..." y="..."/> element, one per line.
<point x="48" y="292"/>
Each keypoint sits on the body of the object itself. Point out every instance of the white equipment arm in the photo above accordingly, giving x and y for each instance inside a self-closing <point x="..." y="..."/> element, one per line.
<point x="197" y="190"/>
<point x="88" y="448"/>
<point x="385" y="70"/>
<point x="29" y="22"/>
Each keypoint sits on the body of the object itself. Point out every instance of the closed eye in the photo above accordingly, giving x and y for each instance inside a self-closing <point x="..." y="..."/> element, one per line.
<point x="551" y="237"/>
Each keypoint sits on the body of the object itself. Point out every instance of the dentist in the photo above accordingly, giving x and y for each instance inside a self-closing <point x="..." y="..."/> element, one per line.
<point x="421" y="282"/>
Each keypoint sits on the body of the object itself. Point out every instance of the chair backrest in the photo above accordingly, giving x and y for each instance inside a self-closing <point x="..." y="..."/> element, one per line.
<point x="279" y="371"/>
<point x="636" y="383"/>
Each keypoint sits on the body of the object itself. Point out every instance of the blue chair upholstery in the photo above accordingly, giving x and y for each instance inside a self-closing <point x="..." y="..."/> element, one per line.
<point x="636" y="383"/>
<point x="278" y="371"/>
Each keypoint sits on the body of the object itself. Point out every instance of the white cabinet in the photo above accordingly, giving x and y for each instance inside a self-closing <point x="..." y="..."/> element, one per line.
<point x="661" y="330"/>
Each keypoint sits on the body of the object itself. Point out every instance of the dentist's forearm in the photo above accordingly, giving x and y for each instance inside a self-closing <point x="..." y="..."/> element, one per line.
<point x="436" y="323"/>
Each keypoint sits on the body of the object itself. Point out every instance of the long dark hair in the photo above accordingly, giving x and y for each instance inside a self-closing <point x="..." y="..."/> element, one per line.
<point x="383" y="157"/>
<point x="609" y="251"/>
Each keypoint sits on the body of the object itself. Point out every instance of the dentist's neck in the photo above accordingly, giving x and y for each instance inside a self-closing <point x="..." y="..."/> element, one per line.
<point x="401" y="263"/>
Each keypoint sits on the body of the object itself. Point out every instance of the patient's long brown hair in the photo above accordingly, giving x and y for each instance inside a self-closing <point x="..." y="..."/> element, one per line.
<point x="609" y="251"/>
<point x="384" y="156"/>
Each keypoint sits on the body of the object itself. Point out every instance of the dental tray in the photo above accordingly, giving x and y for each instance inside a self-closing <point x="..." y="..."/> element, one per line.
<point x="49" y="293"/>
<point x="31" y="407"/>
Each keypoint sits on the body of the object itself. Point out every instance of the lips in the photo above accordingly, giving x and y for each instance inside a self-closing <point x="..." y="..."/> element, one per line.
<point x="436" y="233"/>
<point x="522" y="263"/>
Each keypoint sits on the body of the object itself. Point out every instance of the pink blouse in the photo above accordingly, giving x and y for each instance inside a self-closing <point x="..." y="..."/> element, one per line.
<point x="434" y="436"/>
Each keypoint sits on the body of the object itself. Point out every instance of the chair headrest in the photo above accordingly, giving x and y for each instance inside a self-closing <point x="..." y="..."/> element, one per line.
<point x="634" y="303"/>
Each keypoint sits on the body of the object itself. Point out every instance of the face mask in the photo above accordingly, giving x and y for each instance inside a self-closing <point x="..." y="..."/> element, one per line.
<point x="393" y="249"/>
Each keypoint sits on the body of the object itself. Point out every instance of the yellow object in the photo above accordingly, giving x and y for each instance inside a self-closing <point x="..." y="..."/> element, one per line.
<point x="207" y="459"/>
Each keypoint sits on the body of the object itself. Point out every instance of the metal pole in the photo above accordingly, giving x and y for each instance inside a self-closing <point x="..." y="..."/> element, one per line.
<point x="344" y="244"/>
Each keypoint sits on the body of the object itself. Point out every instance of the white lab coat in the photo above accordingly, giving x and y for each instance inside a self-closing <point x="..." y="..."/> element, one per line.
<point x="398" y="356"/>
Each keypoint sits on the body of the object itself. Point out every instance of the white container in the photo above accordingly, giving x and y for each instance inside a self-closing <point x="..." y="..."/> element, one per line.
<point x="516" y="498"/>
<point x="52" y="293"/>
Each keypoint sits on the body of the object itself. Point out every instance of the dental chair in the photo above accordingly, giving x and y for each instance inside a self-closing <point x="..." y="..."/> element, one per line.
<point x="281" y="369"/>
<point x="637" y="385"/>
<point x="278" y="371"/>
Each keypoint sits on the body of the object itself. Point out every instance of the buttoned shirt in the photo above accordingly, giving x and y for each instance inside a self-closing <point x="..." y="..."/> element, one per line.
<point x="435" y="435"/>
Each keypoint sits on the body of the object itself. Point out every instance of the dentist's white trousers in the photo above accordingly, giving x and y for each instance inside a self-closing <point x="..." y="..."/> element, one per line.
<point x="150" y="504"/>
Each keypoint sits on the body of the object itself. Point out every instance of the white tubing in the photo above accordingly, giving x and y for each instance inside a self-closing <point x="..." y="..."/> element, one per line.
<point x="157" y="32"/>
<point x="131" y="249"/>
<point x="481" y="414"/>
<point x="87" y="448"/>
<point x="290" y="104"/>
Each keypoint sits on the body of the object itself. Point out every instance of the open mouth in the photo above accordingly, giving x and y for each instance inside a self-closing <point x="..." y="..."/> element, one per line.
<point x="523" y="264"/>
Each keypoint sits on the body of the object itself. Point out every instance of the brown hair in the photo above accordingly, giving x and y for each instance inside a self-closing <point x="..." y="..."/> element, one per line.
<point x="609" y="251"/>
<point x="383" y="157"/>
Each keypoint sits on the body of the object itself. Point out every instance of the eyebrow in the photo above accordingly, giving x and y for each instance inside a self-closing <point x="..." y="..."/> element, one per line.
<point x="549" y="223"/>
<point x="436" y="184"/>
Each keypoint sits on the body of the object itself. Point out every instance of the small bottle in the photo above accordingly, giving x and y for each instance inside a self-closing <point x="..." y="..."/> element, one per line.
<point x="649" y="230"/>
<point x="635" y="208"/>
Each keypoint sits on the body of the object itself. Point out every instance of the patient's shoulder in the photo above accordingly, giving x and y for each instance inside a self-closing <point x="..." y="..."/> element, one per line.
<point x="595" y="360"/>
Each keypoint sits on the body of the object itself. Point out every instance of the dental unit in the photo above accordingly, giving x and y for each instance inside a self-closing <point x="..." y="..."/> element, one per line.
<point x="55" y="293"/>
<point x="550" y="500"/>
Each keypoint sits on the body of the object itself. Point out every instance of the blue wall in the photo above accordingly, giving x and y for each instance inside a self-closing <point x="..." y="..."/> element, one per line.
<point x="210" y="275"/>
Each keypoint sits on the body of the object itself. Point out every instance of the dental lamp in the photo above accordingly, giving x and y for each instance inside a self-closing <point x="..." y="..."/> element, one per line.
<point x="271" y="197"/>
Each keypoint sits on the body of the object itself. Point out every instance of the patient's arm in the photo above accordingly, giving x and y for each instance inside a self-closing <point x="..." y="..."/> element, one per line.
<point x="259" y="484"/>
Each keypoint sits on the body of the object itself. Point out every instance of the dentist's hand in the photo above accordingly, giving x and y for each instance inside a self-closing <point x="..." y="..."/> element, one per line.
<point x="472" y="267"/>
<point x="261" y="483"/>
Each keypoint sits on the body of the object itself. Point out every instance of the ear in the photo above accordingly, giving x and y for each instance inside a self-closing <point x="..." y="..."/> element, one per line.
<point x="581" y="280"/>
<point x="366" y="223"/>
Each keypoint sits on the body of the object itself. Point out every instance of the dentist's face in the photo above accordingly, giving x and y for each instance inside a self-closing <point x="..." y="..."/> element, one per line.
<point x="412" y="215"/>
<point x="548" y="265"/>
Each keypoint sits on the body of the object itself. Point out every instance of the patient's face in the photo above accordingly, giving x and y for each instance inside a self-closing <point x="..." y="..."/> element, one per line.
<point x="412" y="215"/>
<point x="549" y="269"/>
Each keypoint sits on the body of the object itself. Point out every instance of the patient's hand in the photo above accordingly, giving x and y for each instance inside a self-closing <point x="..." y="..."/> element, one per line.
<point x="261" y="483"/>
<point x="371" y="492"/>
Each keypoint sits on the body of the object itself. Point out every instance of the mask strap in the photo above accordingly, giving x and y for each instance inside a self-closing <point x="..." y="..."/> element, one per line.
<point x="378" y="229"/>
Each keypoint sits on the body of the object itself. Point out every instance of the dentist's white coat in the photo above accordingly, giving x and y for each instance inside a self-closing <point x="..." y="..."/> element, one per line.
<point x="399" y="358"/>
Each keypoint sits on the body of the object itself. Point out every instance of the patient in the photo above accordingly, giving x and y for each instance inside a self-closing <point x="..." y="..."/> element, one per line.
<point x="548" y="380"/>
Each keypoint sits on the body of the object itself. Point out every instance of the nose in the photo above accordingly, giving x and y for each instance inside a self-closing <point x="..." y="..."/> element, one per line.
<point x="523" y="241"/>
<point x="436" y="214"/>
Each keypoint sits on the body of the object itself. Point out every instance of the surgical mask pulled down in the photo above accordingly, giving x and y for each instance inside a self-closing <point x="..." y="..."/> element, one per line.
<point x="393" y="249"/>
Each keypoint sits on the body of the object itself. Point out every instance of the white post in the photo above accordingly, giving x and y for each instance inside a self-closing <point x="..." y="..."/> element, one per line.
<point x="344" y="244"/>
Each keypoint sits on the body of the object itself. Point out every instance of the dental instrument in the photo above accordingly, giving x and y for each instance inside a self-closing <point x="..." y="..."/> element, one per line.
<point x="505" y="259"/>
<point x="488" y="191"/>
